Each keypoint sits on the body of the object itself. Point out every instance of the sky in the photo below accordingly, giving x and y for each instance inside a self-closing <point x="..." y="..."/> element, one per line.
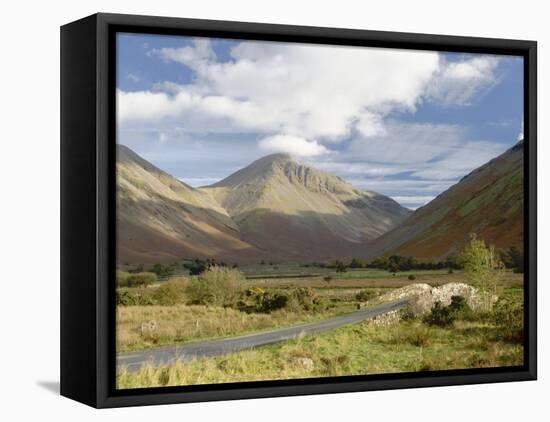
<point x="404" y="123"/>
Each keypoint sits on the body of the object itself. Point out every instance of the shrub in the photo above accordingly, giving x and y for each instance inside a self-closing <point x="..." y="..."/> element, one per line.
<point x="339" y="266"/>
<point x="356" y="263"/>
<point x="508" y="315"/>
<point x="443" y="316"/>
<point x="136" y="297"/>
<point x="140" y="279"/>
<point x="304" y="297"/>
<point x="365" y="295"/>
<point x="121" y="278"/>
<point x="460" y="308"/>
<point x="256" y="299"/>
<point x="440" y="316"/>
<point x="407" y="314"/>
<point x="170" y="293"/>
<point x="216" y="286"/>
<point x="273" y="301"/>
<point x="411" y="277"/>
<point x="163" y="270"/>
<point x="418" y="335"/>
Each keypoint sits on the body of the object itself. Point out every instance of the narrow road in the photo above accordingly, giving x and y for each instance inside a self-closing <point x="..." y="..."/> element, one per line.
<point x="133" y="361"/>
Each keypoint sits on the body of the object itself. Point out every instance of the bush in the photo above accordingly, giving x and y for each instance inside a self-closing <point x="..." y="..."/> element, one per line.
<point x="137" y="297"/>
<point x="411" y="277"/>
<point x="121" y="278"/>
<point x="407" y="314"/>
<point x="440" y="316"/>
<point x="216" y="286"/>
<point x="272" y="301"/>
<point x="304" y="297"/>
<point x="443" y="316"/>
<point x="356" y="263"/>
<point x="365" y="295"/>
<point x="508" y="315"/>
<point x="418" y="335"/>
<point x="170" y="293"/>
<point x="140" y="279"/>
<point x="460" y="308"/>
<point x="163" y="270"/>
<point x="256" y="299"/>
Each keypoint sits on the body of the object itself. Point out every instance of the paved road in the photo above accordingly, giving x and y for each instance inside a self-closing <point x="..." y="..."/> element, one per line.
<point x="203" y="349"/>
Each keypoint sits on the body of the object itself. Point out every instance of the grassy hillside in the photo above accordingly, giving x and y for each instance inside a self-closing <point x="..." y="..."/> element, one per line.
<point x="488" y="201"/>
<point x="296" y="211"/>
<point x="160" y="219"/>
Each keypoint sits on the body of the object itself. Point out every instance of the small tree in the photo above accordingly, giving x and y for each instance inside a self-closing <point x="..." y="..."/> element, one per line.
<point x="340" y="266"/>
<point x="356" y="263"/>
<point x="215" y="286"/>
<point x="482" y="268"/>
<point x="517" y="259"/>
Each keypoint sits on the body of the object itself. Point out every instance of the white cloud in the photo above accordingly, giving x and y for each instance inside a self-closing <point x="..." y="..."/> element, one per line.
<point x="327" y="93"/>
<point x="292" y="145"/>
<point x="413" y="200"/>
<point x="521" y="134"/>
<point x="197" y="182"/>
<point x="334" y="106"/>
<point x="456" y="83"/>
<point x="407" y="143"/>
<point x="461" y="160"/>
<point x="134" y="77"/>
<point x="315" y="92"/>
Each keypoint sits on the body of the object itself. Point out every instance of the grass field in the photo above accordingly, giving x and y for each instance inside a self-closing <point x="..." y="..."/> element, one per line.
<point x="185" y="323"/>
<point x="358" y="349"/>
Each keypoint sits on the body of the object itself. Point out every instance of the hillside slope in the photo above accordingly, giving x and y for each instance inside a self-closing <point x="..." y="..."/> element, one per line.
<point x="160" y="219"/>
<point x="488" y="202"/>
<point x="297" y="211"/>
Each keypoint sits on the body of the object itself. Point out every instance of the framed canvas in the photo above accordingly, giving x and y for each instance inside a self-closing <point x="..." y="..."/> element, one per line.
<point x="255" y="210"/>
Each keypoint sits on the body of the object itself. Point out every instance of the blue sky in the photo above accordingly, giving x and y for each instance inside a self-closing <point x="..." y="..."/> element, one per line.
<point x="407" y="124"/>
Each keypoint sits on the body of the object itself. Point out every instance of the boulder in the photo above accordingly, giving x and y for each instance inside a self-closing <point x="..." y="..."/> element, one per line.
<point x="303" y="362"/>
<point x="423" y="296"/>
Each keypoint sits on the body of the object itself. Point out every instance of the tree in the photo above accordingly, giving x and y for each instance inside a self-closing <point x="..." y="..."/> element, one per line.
<point x="216" y="286"/>
<point x="356" y="263"/>
<point x="516" y="259"/>
<point x="482" y="268"/>
<point x="340" y="266"/>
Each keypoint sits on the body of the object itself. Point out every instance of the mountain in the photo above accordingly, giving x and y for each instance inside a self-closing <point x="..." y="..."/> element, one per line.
<point x="297" y="211"/>
<point x="160" y="219"/>
<point x="276" y="208"/>
<point x="488" y="202"/>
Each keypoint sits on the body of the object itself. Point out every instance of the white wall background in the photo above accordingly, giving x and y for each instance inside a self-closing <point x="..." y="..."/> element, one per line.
<point x="29" y="236"/>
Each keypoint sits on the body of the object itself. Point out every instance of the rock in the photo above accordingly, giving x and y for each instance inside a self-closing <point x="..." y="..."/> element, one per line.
<point x="305" y="363"/>
<point x="386" y="319"/>
<point x="148" y="328"/>
<point x="423" y="296"/>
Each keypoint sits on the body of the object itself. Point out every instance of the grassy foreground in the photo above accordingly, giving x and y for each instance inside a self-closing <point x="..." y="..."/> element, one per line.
<point x="358" y="349"/>
<point x="183" y="323"/>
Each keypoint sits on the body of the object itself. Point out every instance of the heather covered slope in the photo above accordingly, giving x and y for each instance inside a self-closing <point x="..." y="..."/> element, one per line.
<point x="298" y="211"/>
<point x="160" y="219"/>
<point x="488" y="201"/>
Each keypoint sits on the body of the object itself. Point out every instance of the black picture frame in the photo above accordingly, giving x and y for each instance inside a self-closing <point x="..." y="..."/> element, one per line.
<point x="88" y="209"/>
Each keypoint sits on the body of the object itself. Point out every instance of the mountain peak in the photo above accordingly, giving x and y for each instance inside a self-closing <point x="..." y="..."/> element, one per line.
<point x="278" y="156"/>
<point x="269" y="160"/>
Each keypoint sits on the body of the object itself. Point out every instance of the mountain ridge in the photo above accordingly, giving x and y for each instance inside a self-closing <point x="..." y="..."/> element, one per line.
<point x="487" y="201"/>
<point x="275" y="207"/>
